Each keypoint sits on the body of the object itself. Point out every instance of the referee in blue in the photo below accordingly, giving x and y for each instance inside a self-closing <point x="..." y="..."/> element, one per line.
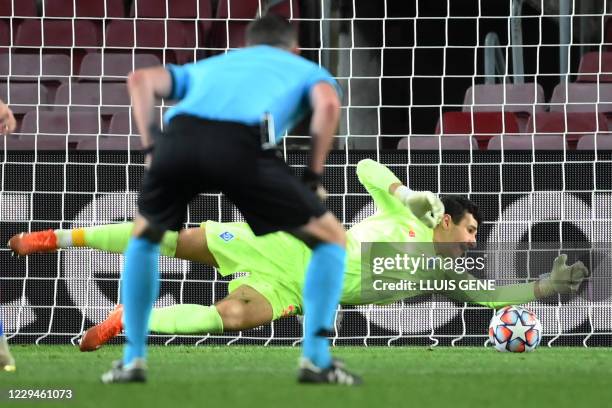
<point x="213" y="140"/>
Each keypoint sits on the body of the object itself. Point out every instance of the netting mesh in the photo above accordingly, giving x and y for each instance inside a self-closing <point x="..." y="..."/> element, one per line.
<point x="428" y="91"/>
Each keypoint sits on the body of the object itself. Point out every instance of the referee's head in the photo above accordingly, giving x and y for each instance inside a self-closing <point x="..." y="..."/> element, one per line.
<point x="272" y="30"/>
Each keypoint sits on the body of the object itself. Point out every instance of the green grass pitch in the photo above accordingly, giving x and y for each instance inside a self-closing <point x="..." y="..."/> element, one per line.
<point x="265" y="377"/>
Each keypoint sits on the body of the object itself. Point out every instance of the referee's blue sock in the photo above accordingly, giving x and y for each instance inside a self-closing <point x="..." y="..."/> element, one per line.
<point x="139" y="289"/>
<point x="322" y="290"/>
<point x="1" y="329"/>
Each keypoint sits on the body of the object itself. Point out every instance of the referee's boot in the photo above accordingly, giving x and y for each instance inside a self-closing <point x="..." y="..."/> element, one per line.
<point x="136" y="372"/>
<point x="336" y="374"/>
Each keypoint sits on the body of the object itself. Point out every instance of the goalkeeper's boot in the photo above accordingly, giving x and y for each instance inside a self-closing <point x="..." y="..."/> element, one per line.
<point x="102" y="333"/>
<point x="136" y="371"/>
<point x="28" y="243"/>
<point x="7" y="362"/>
<point x="336" y="374"/>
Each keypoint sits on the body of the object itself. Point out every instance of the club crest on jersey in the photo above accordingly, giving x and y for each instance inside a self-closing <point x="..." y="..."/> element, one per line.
<point x="226" y="236"/>
<point x="411" y="233"/>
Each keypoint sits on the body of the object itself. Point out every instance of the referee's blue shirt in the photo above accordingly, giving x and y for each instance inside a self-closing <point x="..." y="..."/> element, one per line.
<point x="243" y="85"/>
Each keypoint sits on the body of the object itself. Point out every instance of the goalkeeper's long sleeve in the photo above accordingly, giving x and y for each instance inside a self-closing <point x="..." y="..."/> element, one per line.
<point x="376" y="178"/>
<point x="504" y="295"/>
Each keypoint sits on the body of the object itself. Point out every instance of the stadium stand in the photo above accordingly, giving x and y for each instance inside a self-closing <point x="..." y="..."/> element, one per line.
<point x="595" y="67"/>
<point x="572" y="125"/>
<point x="18" y="8"/>
<point x="521" y="99"/>
<point x="527" y="142"/>
<point x="83" y="8"/>
<point x="483" y="125"/>
<point x="57" y="33"/>
<point x="457" y="142"/>
<point x="23" y="97"/>
<point x="604" y="142"/>
<point x="34" y="67"/>
<point x="57" y="128"/>
<point x="239" y="12"/>
<point x="113" y="67"/>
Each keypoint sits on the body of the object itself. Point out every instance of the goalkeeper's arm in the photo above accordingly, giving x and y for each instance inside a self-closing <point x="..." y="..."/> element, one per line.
<point x="389" y="193"/>
<point x="562" y="279"/>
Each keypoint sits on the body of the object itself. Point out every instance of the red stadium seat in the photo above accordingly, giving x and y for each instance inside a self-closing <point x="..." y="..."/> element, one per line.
<point x="5" y="36"/>
<point x="111" y="143"/>
<point x="150" y="36"/>
<point x="114" y="67"/>
<point x="58" y="128"/>
<point x="603" y="141"/>
<point x="482" y="125"/>
<point x="111" y="97"/>
<point x="32" y="67"/>
<point x="120" y="124"/>
<point x="84" y="8"/>
<point x="61" y="123"/>
<point x="572" y="125"/>
<point x="244" y="10"/>
<point x="23" y="97"/>
<point x="500" y="97"/>
<point x="195" y="32"/>
<point x="172" y="8"/>
<point x="57" y="33"/>
<point x="527" y="142"/>
<point x="14" y="142"/>
<point x="522" y="99"/>
<point x="18" y="8"/>
<point x="429" y="142"/>
<point x="595" y="67"/>
<point x="582" y="97"/>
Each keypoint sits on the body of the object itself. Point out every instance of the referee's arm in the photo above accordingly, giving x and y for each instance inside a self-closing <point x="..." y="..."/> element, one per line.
<point x="144" y="85"/>
<point x="326" y="113"/>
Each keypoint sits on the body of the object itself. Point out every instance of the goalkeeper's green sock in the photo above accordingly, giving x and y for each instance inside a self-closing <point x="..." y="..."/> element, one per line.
<point x="110" y="237"/>
<point x="186" y="319"/>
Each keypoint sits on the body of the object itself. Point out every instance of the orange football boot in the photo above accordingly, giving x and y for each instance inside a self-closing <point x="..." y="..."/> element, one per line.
<point x="28" y="243"/>
<point x="102" y="333"/>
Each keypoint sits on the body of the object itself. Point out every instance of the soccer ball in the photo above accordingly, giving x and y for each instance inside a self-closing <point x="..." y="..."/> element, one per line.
<point x="515" y="329"/>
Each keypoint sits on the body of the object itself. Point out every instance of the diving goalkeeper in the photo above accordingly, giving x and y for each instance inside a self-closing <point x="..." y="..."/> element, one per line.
<point x="275" y="262"/>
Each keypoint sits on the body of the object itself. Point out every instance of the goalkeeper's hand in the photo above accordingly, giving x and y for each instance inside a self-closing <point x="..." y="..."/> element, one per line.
<point x="313" y="182"/>
<point x="563" y="278"/>
<point x="425" y="205"/>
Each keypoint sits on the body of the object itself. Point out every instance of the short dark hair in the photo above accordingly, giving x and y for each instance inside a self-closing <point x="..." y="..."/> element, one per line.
<point x="457" y="206"/>
<point x="271" y="30"/>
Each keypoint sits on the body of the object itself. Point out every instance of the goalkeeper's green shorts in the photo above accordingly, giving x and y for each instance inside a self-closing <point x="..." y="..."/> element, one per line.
<point x="275" y="263"/>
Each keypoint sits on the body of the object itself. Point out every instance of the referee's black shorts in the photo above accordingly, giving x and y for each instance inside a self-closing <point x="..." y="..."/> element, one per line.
<point x="194" y="155"/>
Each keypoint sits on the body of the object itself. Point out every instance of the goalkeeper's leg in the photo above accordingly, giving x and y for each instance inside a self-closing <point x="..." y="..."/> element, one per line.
<point x="189" y="244"/>
<point x="244" y="308"/>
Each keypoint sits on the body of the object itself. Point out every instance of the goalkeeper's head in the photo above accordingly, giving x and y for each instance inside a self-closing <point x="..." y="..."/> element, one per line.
<point x="459" y="226"/>
<point x="274" y="31"/>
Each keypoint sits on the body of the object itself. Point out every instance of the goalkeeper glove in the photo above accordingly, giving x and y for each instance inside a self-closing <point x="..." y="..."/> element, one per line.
<point x="425" y="205"/>
<point x="313" y="182"/>
<point x="562" y="279"/>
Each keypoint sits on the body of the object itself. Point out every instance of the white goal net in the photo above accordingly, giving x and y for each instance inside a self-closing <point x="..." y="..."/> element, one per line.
<point x="506" y="102"/>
